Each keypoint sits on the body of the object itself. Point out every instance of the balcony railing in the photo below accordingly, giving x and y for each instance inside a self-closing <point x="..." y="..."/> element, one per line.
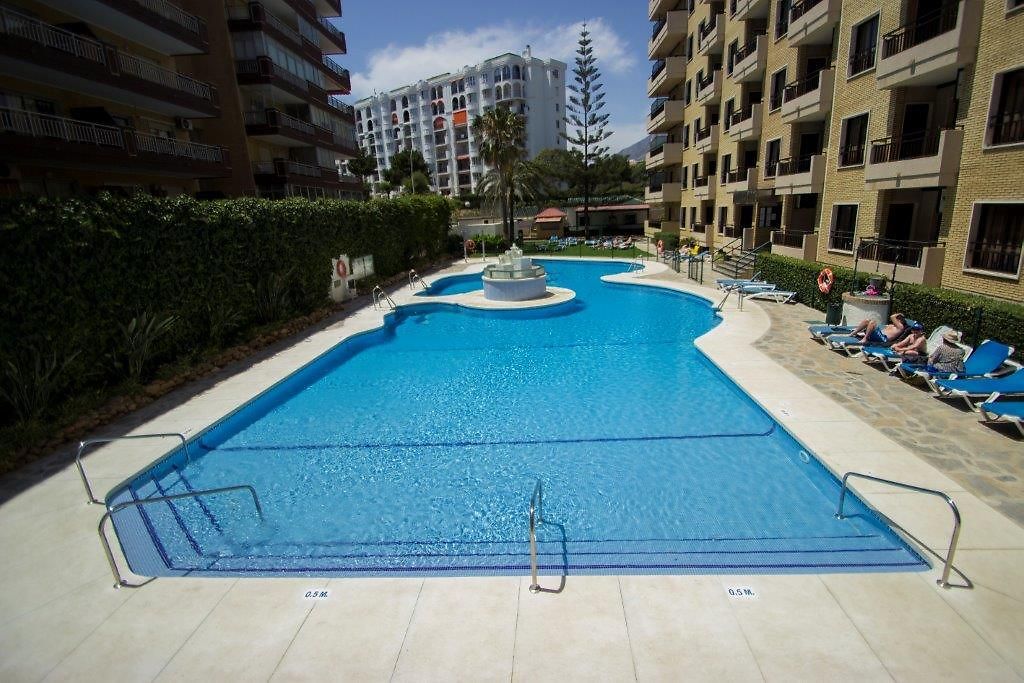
<point x="707" y="28"/>
<point x="705" y="82"/>
<point x="332" y="29"/>
<point x="658" y="106"/>
<point x="801" y="8"/>
<point x="69" y="130"/>
<point x="656" y="68"/>
<point x="793" y="240"/>
<point x="655" y="182"/>
<point x="742" y="115"/>
<point x="851" y="155"/>
<point x="805" y="85"/>
<point x="701" y="133"/>
<point x="274" y="117"/>
<point x="745" y="50"/>
<point x="902" y="252"/>
<point x="174" y="13"/>
<point x="1000" y="257"/>
<point x="144" y="142"/>
<point x="1006" y="127"/>
<point x="862" y="61"/>
<point x="656" y="148"/>
<point x="926" y="27"/>
<point x="148" y="71"/>
<point x="841" y="241"/>
<point x="730" y="231"/>
<point x="902" y="147"/>
<point x="793" y="165"/>
<point x="737" y="175"/>
<point x="21" y="25"/>
<point x="335" y="68"/>
<point x="701" y="180"/>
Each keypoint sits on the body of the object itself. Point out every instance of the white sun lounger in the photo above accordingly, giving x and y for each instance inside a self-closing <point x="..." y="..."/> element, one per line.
<point x="770" y="295"/>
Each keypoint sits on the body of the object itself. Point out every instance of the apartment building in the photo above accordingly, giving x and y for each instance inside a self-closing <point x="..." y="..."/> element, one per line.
<point x="434" y="116"/>
<point x="889" y="133"/>
<point x="149" y="95"/>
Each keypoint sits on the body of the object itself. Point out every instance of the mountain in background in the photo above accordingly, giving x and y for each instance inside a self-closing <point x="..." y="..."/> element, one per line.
<point x="638" y="150"/>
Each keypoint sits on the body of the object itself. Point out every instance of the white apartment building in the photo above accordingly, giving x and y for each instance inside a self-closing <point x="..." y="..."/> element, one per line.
<point x="435" y="116"/>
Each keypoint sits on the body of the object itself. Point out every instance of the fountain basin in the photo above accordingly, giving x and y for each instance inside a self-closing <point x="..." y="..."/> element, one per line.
<point x="521" y="282"/>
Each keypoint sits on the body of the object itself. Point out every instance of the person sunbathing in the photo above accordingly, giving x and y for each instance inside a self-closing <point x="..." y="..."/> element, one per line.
<point x="947" y="356"/>
<point x="872" y="334"/>
<point x="914" y="347"/>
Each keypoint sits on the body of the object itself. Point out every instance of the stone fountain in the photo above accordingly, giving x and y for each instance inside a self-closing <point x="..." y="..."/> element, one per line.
<point x="514" y="278"/>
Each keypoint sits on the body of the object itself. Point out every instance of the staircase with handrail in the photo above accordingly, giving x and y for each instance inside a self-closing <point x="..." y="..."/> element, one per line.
<point x="733" y="261"/>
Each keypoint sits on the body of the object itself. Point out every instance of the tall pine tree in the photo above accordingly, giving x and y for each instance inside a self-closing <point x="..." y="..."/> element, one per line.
<point x="584" y="114"/>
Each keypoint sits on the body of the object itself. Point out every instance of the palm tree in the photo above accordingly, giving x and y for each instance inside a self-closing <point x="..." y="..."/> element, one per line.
<point x="502" y="136"/>
<point x="520" y="183"/>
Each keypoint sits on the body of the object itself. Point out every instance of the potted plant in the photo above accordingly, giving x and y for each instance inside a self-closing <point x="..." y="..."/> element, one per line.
<point x="876" y="284"/>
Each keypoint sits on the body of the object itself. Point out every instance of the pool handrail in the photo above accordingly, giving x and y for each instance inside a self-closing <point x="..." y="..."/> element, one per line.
<point x="536" y="518"/>
<point x="119" y="581"/>
<point x="948" y="559"/>
<point x="380" y="295"/>
<point x="82" y="445"/>
<point x="414" y="277"/>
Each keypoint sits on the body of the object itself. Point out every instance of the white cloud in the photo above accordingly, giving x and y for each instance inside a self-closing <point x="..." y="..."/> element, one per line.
<point x="396" y="65"/>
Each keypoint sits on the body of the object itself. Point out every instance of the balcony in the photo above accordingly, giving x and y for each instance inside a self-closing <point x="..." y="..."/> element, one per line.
<point x="655" y="8"/>
<point x="667" y="34"/>
<point x="49" y="55"/>
<point x="665" y="115"/>
<point x="704" y="187"/>
<point x="665" y="154"/>
<point x="730" y="232"/>
<point x="305" y="41"/>
<point x="711" y="37"/>
<point x="932" y="49"/>
<point x="799" y="175"/>
<point x="54" y="140"/>
<point x="158" y="24"/>
<point x="705" y="140"/>
<point x="746" y="123"/>
<point x="809" y="99"/>
<point x="801" y="245"/>
<point x="749" y="61"/>
<point x="659" y="192"/>
<point x="917" y="262"/>
<point x="811" y="22"/>
<point x="263" y="71"/>
<point x="286" y="172"/>
<point x="709" y="90"/>
<point x="666" y="74"/>
<point x="338" y="74"/>
<point x="742" y="10"/>
<point x="740" y="180"/>
<point x="925" y="160"/>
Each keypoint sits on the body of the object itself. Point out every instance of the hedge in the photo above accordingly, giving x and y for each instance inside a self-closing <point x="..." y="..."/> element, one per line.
<point x="75" y="272"/>
<point x="977" y="317"/>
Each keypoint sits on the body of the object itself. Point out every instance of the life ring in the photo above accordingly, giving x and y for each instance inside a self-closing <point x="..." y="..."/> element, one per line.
<point x="825" y="280"/>
<point x="661" y="246"/>
<point x="470" y="246"/>
<point x="340" y="269"/>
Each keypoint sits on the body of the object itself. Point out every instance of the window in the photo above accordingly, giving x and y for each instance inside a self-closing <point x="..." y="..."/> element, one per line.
<point x="687" y="92"/>
<point x="844" y="224"/>
<point x="851" y="145"/>
<point x="997" y="238"/>
<point x="730" y="107"/>
<point x="771" y="157"/>
<point x="556" y="106"/>
<point x="862" y="45"/>
<point x="686" y="135"/>
<point x="685" y="176"/>
<point x="778" y="87"/>
<point x="689" y="47"/>
<point x="554" y="74"/>
<point x="783" y="9"/>
<point x="1006" y="116"/>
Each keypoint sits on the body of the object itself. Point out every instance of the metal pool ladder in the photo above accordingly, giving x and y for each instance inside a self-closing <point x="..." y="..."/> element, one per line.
<point x="948" y="559"/>
<point x="119" y="581"/>
<point x="82" y="445"/>
<point x="414" y="278"/>
<point x="536" y="518"/>
<point x="380" y="297"/>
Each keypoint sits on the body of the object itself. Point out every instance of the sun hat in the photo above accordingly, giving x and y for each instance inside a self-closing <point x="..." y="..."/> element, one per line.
<point x="951" y="336"/>
<point x="917" y="326"/>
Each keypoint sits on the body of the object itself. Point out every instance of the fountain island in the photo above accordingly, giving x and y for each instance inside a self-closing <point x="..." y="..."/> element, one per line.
<point x="514" y="278"/>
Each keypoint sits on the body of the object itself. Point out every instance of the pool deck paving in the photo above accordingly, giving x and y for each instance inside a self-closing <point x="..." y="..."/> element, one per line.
<point x="63" y="620"/>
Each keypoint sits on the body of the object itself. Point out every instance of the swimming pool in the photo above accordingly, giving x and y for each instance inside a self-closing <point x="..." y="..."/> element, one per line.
<point x="414" y="449"/>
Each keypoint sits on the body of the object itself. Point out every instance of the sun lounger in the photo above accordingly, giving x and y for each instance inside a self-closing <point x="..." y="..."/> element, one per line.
<point x="1004" y="411"/>
<point x="890" y="359"/>
<point x="775" y="295"/>
<point x="727" y="283"/>
<point x="981" y="387"/>
<point x="821" y="332"/>
<point x="988" y="360"/>
<point x="853" y="345"/>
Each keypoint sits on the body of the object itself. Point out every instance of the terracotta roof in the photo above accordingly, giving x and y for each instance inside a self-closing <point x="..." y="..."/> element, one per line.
<point x="551" y="213"/>
<point x="549" y="219"/>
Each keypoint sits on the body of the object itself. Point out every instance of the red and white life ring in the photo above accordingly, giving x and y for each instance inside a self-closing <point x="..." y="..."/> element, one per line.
<point x="340" y="269"/>
<point x="825" y="280"/>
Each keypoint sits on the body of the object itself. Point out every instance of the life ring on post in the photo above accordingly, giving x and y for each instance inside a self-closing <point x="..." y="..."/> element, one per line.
<point x="825" y="280"/>
<point x="340" y="269"/>
<point x="470" y="246"/>
<point x="661" y="246"/>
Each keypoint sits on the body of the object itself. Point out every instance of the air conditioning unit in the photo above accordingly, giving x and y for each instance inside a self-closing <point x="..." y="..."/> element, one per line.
<point x="183" y="123"/>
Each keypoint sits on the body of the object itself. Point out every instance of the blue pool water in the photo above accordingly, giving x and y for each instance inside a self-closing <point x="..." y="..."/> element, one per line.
<point x="415" y="449"/>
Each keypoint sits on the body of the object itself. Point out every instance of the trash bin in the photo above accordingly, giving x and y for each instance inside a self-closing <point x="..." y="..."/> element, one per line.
<point x="834" y="314"/>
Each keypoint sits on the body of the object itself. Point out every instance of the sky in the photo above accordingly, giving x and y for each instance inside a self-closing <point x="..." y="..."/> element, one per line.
<point x="399" y="42"/>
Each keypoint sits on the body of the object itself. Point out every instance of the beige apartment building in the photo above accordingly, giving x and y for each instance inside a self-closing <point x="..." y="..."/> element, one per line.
<point x="185" y="97"/>
<point x="886" y="132"/>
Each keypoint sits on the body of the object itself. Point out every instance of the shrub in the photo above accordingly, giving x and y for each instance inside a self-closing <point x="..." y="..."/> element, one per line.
<point x="669" y="239"/>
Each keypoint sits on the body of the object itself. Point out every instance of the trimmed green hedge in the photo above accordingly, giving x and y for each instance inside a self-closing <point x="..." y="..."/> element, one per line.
<point x="977" y="317"/>
<point x="74" y="272"/>
<point x="670" y="240"/>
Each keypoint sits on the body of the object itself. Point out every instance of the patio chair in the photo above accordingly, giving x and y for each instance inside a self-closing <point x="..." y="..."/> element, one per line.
<point x="990" y="359"/>
<point x="853" y="345"/>
<point x="1003" y="411"/>
<point x="982" y="387"/>
<point x="890" y="359"/>
<point x="821" y="332"/>
<point x="726" y="283"/>
<point x="775" y="295"/>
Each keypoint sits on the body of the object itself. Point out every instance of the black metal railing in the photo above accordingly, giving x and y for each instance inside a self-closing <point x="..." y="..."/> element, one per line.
<point x="655" y="181"/>
<point x="658" y="25"/>
<point x="730" y="231"/>
<point x="862" y="61"/>
<point x="793" y="165"/>
<point x="658" y="106"/>
<point x="742" y="115"/>
<point x="701" y="180"/>
<point x="1006" y="127"/>
<point x="656" y="68"/>
<point x="902" y="147"/>
<point x="851" y="155"/>
<point x="809" y="83"/>
<point x="706" y="29"/>
<point x="925" y="27"/>
<point x="994" y="255"/>
<point x="701" y="133"/>
<point x="732" y="8"/>
<point x="705" y="82"/>
<point x="801" y="8"/>
<point x="746" y="50"/>
<point x="841" y="241"/>
<point x="902" y="252"/>
<point x="737" y="175"/>
<point x="657" y="146"/>
<point x="794" y="240"/>
<point x="771" y="168"/>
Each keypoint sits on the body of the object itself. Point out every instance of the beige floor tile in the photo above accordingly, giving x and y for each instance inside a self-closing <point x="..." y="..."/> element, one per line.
<point x="355" y="634"/>
<point x="578" y="634"/>
<point x="247" y="633"/>
<point x="682" y="628"/>
<point x="462" y="630"/>
<point x="916" y="635"/>
<point x="137" y="640"/>
<point x="798" y="632"/>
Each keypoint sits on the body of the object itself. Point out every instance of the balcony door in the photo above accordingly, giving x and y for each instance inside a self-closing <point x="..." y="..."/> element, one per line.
<point x="810" y="144"/>
<point x="899" y="222"/>
<point x="915" y="125"/>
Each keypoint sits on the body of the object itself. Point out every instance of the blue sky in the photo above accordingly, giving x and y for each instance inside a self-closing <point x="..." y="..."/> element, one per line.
<point x="391" y="44"/>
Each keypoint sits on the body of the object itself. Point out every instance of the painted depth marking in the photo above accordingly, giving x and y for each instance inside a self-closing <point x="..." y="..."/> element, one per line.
<point x="316" y="595"/>
<point x="741" y="593"/>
